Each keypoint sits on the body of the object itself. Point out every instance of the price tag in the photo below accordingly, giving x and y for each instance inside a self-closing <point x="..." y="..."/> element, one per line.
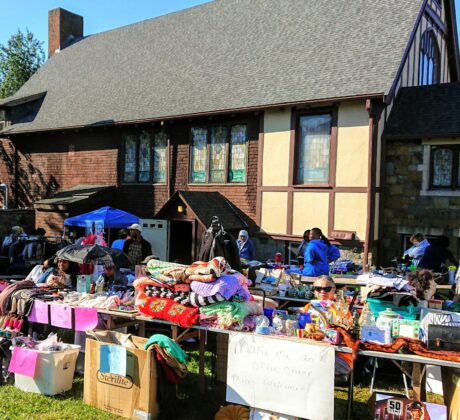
<point x="395" y="407"/>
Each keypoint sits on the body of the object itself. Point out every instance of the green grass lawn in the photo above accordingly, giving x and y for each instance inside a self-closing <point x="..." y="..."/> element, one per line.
<point x="16" y="404"/>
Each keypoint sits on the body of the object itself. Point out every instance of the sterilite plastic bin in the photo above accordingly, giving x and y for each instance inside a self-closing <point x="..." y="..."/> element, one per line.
<point x="53" y="374"/>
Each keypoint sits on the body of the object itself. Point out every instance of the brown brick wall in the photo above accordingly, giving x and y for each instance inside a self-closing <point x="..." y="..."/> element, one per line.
<point x="49" y="163"/>
<point x="405" y="210"/>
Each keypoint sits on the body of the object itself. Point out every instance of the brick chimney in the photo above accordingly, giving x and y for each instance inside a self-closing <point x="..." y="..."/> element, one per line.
<point x="63" y="28"/>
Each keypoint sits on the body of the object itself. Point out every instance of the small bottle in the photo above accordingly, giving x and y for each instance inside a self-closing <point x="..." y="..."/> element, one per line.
<point x="92" y="289"/>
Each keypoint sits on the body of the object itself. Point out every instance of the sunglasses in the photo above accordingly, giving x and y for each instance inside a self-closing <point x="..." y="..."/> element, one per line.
<point x="326" y="289"/>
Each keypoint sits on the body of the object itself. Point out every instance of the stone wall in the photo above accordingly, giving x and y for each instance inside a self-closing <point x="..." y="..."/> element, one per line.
<point x="405" y="211"/>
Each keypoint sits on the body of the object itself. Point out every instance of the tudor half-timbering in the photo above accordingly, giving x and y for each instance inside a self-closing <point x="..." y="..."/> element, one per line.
<point x="280" y="110"/>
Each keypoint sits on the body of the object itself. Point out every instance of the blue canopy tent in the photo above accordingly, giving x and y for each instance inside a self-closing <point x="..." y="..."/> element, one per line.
<point x="103" y="218"/>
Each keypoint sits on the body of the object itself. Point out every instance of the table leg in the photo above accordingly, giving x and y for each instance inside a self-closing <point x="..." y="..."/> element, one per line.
<point x="202" y="348"/>
<point x="142" y="328"/>
<point x="418" y="382"/>
<point x="174" y="332"/>
<point x="351" y="383"/>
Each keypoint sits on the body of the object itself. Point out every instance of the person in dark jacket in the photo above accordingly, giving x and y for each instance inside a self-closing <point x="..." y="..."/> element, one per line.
<point x="217" y="242"/>
<point x="436" y="254"/>
<point x="136" y="248"/>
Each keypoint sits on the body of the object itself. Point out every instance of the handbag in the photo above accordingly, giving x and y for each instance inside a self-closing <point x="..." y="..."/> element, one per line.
<point x="442" y="337"/>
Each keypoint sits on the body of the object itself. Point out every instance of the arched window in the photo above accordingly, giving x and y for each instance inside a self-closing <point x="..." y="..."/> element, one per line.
<point x="428" y="69"/>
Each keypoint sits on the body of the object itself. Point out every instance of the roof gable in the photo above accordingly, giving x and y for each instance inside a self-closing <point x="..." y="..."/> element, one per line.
<point x="204" y="206"/>
<point x="225" y="55"/>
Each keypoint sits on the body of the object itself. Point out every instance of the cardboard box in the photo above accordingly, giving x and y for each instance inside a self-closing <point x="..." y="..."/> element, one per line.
<point x="133" y="396"/>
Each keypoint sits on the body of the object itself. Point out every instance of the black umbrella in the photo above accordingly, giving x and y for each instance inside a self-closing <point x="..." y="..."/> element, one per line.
<point x="93" y="254"/>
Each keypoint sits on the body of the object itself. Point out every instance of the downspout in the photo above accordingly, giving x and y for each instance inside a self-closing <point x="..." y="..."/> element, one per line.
<point x="16" y="176"/>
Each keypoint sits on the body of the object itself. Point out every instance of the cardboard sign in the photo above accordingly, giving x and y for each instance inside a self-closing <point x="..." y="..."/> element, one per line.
<point x="289" y="377"/>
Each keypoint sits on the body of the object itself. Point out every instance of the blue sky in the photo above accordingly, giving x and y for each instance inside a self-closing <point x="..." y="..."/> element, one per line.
<point x="99" y="15"/>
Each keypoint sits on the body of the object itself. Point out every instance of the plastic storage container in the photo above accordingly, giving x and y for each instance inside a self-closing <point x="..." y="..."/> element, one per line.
<point x="53" y="374"/>
<point x="377" y="306"/>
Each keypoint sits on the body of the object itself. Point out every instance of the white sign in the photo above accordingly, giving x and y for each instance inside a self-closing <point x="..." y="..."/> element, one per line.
<point x="281" y="375"/>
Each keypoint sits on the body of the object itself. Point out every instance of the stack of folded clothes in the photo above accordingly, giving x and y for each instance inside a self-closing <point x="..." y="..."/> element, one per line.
<point x="175" y="294"/>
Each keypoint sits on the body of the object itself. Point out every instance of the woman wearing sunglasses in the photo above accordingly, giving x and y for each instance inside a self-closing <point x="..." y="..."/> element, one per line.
<point x="319" y="252"/>
<point x="324" y="288"/>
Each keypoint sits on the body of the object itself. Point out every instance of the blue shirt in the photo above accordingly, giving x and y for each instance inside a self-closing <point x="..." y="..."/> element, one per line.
<point x="316" y="261"/>
<point x="118" y="244"/>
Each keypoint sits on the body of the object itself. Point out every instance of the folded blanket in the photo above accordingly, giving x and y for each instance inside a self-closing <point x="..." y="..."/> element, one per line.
<point x="227" y="285"/>
<point x="198" y="300"/>
<point x="203" y="278"/>
<point x="227" y="313"/>
<point x="167" y="309"/>
<point x="217" y="266"/>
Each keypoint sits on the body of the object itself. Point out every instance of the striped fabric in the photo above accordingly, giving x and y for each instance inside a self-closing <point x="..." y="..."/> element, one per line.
<point x="198" y="300"/>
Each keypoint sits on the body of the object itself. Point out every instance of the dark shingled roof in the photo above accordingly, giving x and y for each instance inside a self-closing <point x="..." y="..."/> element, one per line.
<point x="425" y="111"/>
<point x="205" y="205"/>
<point x="224" y="55"/>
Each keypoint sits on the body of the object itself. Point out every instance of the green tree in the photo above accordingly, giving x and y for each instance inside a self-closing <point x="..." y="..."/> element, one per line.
<point x="19" y="60"/>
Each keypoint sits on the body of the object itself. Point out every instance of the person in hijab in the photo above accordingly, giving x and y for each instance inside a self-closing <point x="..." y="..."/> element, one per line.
<point x="318" y="254"/>
<point x="245" y="246"/>
<point x="217" y="242"/>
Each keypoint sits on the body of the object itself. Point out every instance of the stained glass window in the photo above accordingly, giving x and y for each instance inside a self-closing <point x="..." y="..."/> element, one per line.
<point x="159" y="157"/>
<point x="218" y="150"/>
<point x="428" y="72"/>
<point x="199" y="154"/>
<point x="313" y="149"/>
<point x="238" y="139"/>
<point x="442" y="167"/>
<point x="130" y="159"/>
<point x="219" y="154"/>
<point x="145" y="153"/>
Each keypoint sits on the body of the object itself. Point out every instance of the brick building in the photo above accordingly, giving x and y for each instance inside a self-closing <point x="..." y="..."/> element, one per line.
<point x="283" y="119"/>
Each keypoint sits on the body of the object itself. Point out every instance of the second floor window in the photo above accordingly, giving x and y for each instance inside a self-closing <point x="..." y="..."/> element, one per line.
<point x="145" y="157"/>
<point x="444" y="167"/>
<point x="218" y="154"/>
<point x="313" y="149"/>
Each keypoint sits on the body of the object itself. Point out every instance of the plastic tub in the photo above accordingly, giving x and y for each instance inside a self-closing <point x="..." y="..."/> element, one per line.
<point x="377" y="306"/>
<point x="53" y="374"/>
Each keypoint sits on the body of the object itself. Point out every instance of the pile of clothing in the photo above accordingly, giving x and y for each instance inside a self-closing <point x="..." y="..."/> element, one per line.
<point x="172" y="360"/>
<point x="92" y="301"/>
<point x="206" y="292"/>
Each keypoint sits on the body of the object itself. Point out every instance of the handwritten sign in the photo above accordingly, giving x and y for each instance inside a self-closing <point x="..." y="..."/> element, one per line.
<point x="39" y="312"/>
<point x="284" y="376"/>
<point x="61" y="315"/>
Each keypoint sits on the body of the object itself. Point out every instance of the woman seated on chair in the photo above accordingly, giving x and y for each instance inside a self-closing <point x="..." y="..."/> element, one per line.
<point x="324" y="288"/>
